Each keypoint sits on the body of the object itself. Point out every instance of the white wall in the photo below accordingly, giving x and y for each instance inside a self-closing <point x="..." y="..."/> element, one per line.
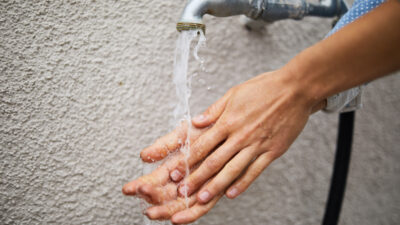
<point x="86" y="85"/>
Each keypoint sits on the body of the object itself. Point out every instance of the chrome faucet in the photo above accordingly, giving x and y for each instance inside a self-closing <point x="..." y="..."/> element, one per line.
<point x="266" y="10"/>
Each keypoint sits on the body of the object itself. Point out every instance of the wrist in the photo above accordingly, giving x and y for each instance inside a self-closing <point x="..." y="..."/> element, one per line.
<point x="299" y="78"/>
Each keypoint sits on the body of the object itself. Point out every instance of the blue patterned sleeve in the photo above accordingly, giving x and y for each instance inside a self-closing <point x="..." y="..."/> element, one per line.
<point x="350" y="100"/>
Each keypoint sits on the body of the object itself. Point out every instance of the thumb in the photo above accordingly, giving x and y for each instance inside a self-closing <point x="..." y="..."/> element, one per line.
<point x="212" y="114"/>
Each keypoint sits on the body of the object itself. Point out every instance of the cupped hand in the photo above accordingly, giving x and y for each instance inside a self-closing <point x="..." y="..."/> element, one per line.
<point x="158" y="189"/>
<point x="253" y="124"/>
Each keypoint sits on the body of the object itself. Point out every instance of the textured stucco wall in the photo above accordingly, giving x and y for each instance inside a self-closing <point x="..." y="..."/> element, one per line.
<point x="85" y="85"/>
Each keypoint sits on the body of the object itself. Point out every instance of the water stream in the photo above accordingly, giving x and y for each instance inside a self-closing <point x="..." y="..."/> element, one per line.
<point x="183" y="83"/>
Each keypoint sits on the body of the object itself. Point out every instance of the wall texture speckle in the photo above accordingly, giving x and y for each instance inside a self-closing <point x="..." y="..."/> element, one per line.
<point x="85" y="85"/>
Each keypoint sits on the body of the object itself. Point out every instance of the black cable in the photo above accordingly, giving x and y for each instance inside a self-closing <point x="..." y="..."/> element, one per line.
<point x="340" y="169"/>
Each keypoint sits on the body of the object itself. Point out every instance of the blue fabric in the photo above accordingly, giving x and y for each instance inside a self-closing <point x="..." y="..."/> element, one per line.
<point x="359" y="8"/>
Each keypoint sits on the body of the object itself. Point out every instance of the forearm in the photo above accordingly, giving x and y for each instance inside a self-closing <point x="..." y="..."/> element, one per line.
<point x="362" y="51"/>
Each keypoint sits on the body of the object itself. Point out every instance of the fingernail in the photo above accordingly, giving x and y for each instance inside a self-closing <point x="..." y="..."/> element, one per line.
<point x="176" y="175"/>
<point x="183" y="190"/>
<point x="204" y="196"/>
<point x="199" y="118"/>
<point x="233" y="192"/>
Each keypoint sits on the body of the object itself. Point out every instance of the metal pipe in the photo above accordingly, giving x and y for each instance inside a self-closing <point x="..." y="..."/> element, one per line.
<point x="328" y="8"/>
<point x="267" y="10"/>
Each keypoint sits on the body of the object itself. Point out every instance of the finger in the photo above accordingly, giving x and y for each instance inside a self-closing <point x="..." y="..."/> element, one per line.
<point x="165" y="145"/>
<point x="199" y="150"/>
<point x="131" y="187"/>
<point x="254" y="170"/>
<point x="158" y="177"/>
<point x="157" y="195"/>
<point x="228" y="174"/>
<point x="165" y="211"/>
<point x="210" y="166"/>
<point x="193" y="213"/>
<point x="212" y="113"/>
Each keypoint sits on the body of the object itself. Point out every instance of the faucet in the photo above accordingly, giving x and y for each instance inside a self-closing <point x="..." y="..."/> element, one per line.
<point x="266" y="10"/>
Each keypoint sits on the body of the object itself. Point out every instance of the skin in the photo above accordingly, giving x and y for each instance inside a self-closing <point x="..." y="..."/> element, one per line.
<point x="158" y="189"/>
<point x="256" y="122"/>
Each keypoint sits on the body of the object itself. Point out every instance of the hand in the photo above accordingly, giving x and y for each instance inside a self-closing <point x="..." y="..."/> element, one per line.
<point x="157" y="188"/>
<point x="254" y="123"/>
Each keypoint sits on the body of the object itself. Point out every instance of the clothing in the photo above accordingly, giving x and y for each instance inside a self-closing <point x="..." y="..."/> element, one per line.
<point x="350" y="100"/>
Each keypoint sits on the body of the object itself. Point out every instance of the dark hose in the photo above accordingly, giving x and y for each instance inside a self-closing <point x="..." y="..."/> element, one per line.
<point x="340" y="169"/>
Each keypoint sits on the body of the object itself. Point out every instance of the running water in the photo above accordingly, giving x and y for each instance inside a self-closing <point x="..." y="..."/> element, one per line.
<point x="183" y="82"/>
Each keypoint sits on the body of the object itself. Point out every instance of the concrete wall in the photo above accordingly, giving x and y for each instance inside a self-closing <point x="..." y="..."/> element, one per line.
<point x="84" y="86"/>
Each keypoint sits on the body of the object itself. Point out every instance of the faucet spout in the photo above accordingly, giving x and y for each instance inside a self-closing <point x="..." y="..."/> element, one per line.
<point x="192" y="15"/>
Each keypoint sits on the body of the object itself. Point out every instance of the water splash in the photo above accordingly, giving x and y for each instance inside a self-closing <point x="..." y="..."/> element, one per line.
<point x="183" y="82"/>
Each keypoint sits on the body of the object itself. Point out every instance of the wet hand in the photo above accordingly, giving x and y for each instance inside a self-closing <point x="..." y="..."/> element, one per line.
<point x="253" y="124"/>
<point x="158" y="189"/>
